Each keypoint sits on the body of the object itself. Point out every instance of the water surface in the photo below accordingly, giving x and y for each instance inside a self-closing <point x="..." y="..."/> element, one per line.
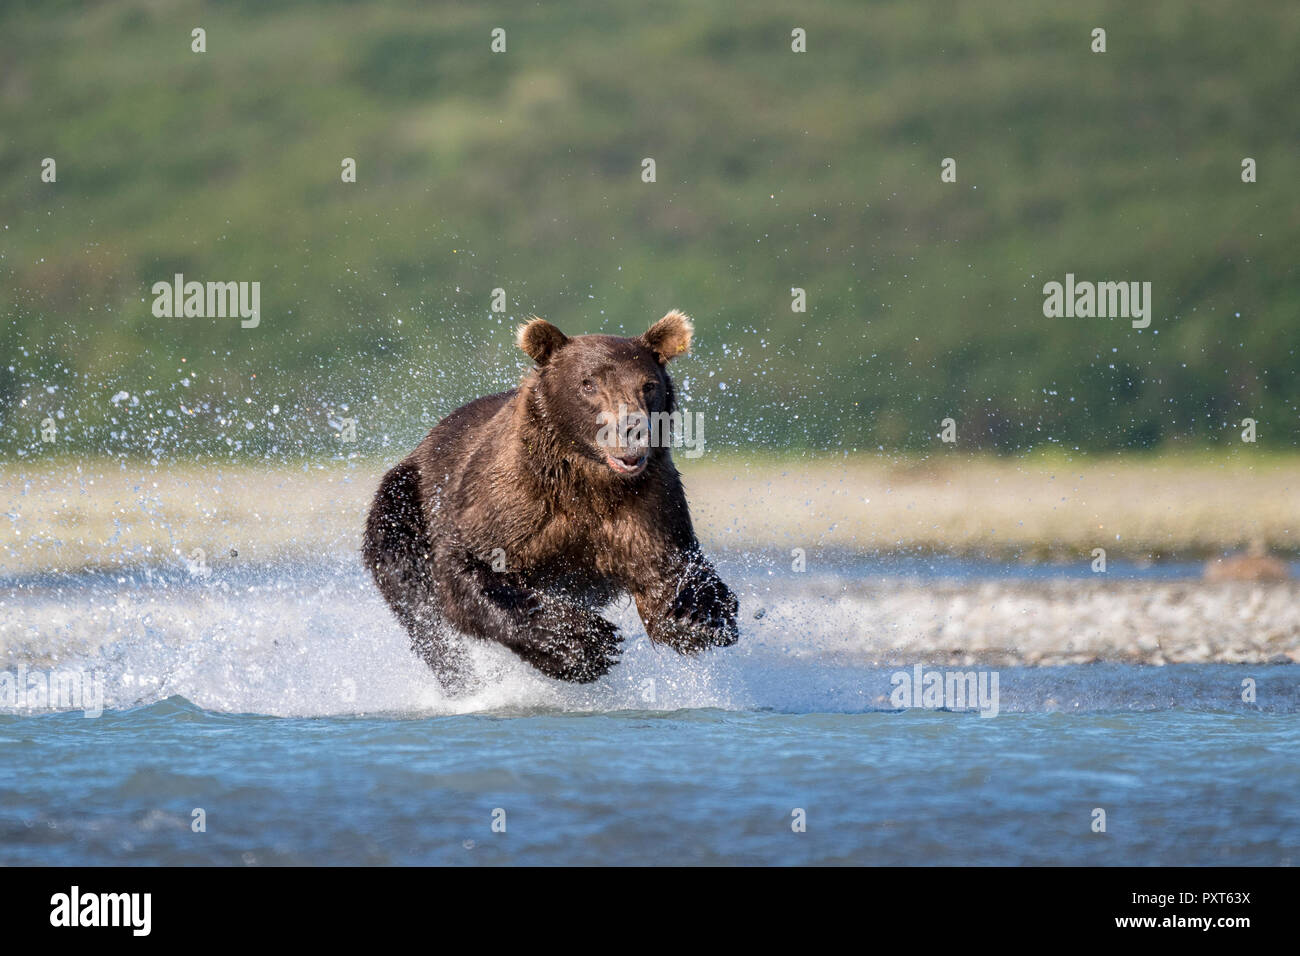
<point x="284" y="704"/>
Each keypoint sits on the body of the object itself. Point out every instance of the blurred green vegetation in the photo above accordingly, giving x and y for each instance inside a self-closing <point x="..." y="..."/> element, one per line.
<point x="775" y="170"/>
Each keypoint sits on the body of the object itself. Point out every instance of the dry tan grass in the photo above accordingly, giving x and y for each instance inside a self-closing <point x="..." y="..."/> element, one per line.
<point x="70" y="515"/>
<point x="103" y="514"/>
<point x="1138" y="507"/>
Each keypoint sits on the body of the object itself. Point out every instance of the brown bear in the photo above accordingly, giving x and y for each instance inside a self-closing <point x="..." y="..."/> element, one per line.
<point x="521" y="515"/>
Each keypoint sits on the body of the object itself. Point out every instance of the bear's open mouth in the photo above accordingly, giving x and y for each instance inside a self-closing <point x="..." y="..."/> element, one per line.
<point x="629" y="464"/>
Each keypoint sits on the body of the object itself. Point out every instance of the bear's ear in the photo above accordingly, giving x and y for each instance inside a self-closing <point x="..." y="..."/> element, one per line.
<point x="540" y="339"/>
<point x="670" y="336"/>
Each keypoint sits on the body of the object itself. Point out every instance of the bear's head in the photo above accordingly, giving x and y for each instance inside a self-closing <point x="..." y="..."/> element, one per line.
<point x="606" y="400"/>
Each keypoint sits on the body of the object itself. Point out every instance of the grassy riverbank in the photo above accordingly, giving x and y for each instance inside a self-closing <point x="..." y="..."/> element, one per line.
<point x="69" y="514"/>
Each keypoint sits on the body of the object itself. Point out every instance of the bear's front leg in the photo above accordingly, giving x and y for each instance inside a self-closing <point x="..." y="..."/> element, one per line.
<point x="688" y="607"/>
<point x="568" y="641"/>
<point x="561" y="638"/>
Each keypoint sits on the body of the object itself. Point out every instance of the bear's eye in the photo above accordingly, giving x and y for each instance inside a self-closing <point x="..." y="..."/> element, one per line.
<point x="588" y="387"/>
<point x="649" y="387"/>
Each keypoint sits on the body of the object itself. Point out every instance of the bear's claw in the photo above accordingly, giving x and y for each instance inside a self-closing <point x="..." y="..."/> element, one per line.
<point x="703" y="614"/>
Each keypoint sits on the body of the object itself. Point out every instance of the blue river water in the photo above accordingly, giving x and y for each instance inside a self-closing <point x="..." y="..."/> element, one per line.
<point x="1178" y="786"/>
<point x="287" y="724"/>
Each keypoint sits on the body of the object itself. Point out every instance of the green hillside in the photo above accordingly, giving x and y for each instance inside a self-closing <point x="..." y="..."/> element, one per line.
<point x="522" y="170"/>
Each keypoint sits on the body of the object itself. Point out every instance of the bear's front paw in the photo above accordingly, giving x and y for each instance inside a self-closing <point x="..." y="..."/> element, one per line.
<point x="578" y="656"/>
<point x="703" y="614"/>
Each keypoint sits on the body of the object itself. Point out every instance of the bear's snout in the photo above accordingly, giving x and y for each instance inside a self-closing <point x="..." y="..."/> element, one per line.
<point x="625" y="438"/>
